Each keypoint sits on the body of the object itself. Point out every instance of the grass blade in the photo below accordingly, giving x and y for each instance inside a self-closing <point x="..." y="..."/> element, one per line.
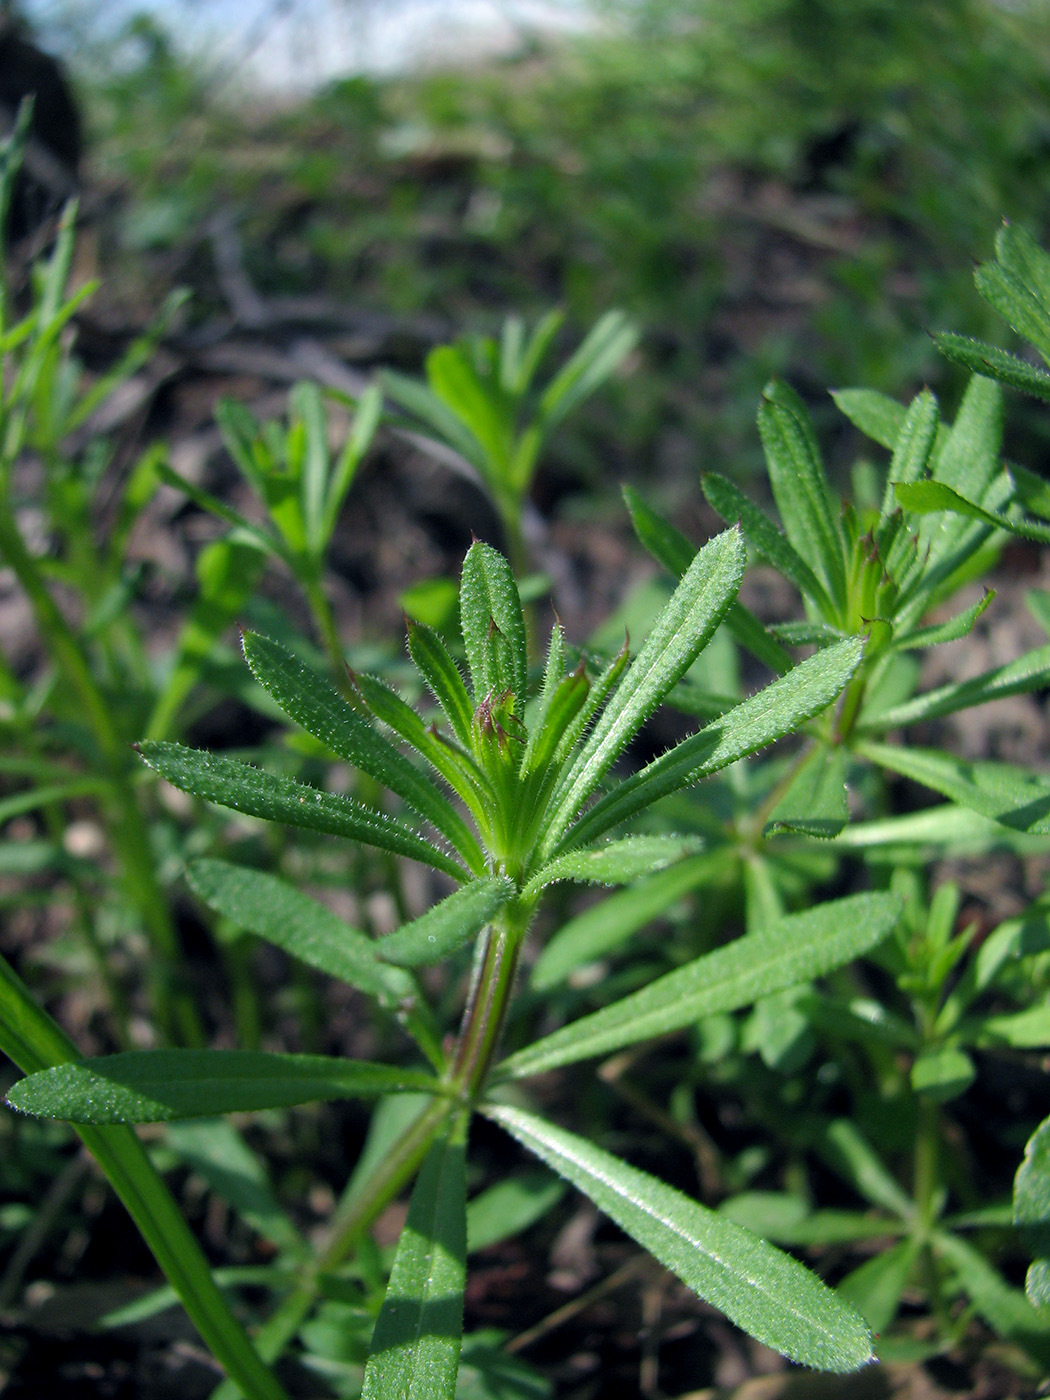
<point x="35" y="1042"/>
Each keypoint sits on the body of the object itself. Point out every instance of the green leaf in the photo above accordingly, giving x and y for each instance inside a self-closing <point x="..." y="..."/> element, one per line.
<point x="961" y="625"/>
<point x="313" y="702"/>
<point x="800" y="487"/>
<point x="1027" y="673"/>
<point x="442" y="929"/>
<point x="215" y="1150"/>
<point x="604" y="350"/>
<point x="777" y="710"/>
<point x="1032" y="1212"/>
<point x="510" y="1206"/>
<point x="441" y="674"/>
<point x="815" y="803"/>
<point x="453" y="764"/>
<point x="994" y="363"/>
<point x="453" y="378"/>
<point x="928" y="497"/>
<point x="35" y="1042"/>
<point x="767" y="1293"/>
<point x="795" y="949"/>
<point x="437" y="415"/>
<point x="970" y="457"/>
<point x="493" y="626"/>
<point x="612" y="862"/>
<point x="278" y="799"/>
<point x="914" y="447"/>
<point x="1005" y="1309"/>
<point x="854" y="1157"/>
<point x="1012" y="796"/>
<point x="1032" y="491"/>
<point x="664" y="541"/>
<point x="272" y="909"/>
<point x="605" y="926"/>
<point x="159" y="1086"/>
<point x="876" y="1287"/>
<point x="1023" y="1030"/>
<point x="768" y="542"/>
<point x="942" y="1074"/>
<point x="1026" y="312"/>
<point x="416" y="1342"/>
<point x="679" y="634"/>
<point x="362" y="431"/>
<point x="876" y="415"/>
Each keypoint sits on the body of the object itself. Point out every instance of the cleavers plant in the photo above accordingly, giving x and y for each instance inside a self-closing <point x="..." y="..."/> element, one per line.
<point x="529" y="773"/>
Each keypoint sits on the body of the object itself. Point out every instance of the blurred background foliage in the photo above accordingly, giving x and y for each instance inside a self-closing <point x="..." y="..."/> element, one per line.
<point x="751" y="182"/>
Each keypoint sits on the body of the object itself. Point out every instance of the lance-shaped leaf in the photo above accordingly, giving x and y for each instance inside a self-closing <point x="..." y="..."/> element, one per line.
<point x="278" y="799"/>
<point x="1011" y="292"/>
<point x="970" y="457"/>
<point x="876" y="1287"/>
<point x="453" y="763"/>
<point x="680" y="633"/>
<point x="1027" y="673"/>
<point x="605" y="926"/>
<point x="159" y="1086"/>
<point x="773" y="712"/>
<point x="272" y="909"/>
<point x="606" y="346"/>
<point x="768" y="542"/>
<point x="913" y="450"/>
<point x="795" y="949"/>
<point x="876" y="415"/>
<point x="1009" y="795"/>
<point x="442" y="929"/>
<point x="961" y="625"/>
<point x="441" y="674"/>
<point x="994" y="363"/>
<point x="764" y="1291"/>
<point x="800" y="487"/>
<point x="1005" y="1309"/>
<point x="815" y="804"/>
<point x="313" y="702"/>
<point x="612" y="862"/>
<point x="493" y="626"/>
<point x="929" y="497"/>
<point x="417" y="1336"/>
<point x="669" y="547"/>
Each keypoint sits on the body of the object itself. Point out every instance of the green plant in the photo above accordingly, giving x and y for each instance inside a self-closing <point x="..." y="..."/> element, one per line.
<point x="480" y="400"/>
<point x="524" y="771"/>
<point x="299" y="483"/>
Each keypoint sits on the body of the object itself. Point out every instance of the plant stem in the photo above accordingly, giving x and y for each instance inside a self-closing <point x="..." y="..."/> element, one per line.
<point x="356" y="1215"/>
<point x="489" y="997"/>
